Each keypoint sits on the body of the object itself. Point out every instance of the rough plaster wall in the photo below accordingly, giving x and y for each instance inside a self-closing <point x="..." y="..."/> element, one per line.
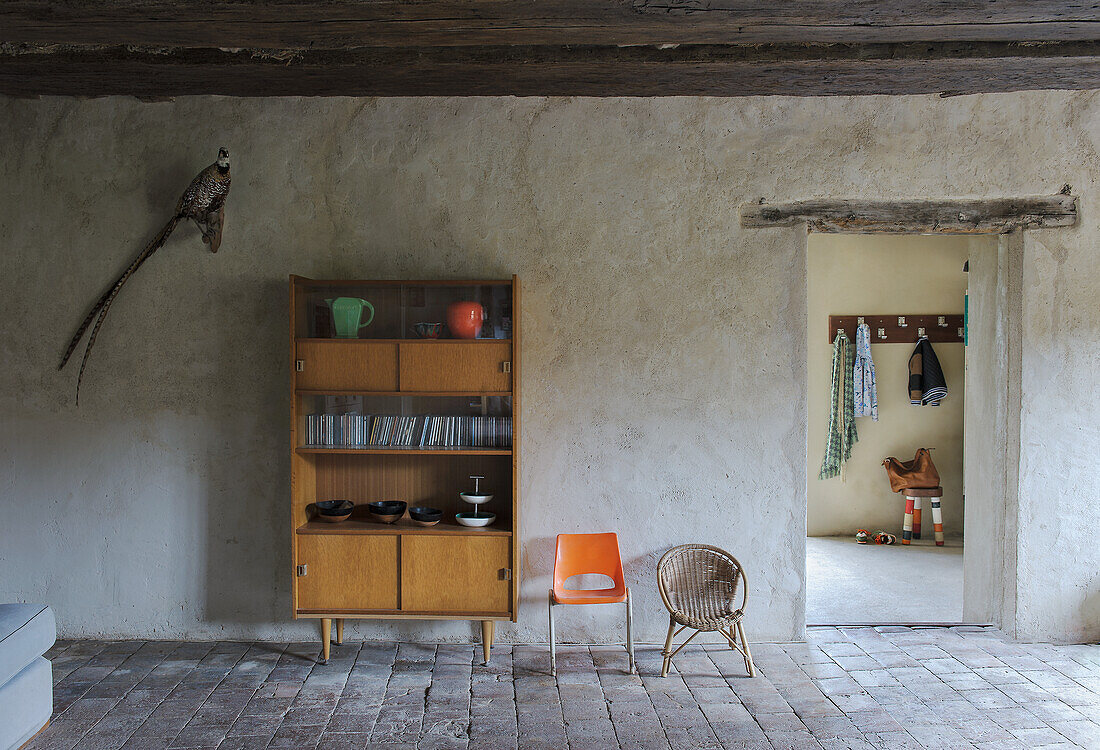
<point x="992" y="445"/>
<point x="880" y="275"/>
<point x="664" y="350"/>
<point x="1058" y="580"/>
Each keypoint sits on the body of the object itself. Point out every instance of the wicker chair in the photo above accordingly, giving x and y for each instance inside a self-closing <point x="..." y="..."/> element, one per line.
<point x="698" y="585"/>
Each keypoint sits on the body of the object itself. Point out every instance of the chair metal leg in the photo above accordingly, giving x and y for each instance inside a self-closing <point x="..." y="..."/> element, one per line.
<point x="630" y="632"/>
<point x="748" y="654"/>
<point x="553" y="656"/>
<point x="667" y="652"/>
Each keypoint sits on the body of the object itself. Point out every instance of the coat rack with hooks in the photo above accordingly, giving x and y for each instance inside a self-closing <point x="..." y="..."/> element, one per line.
<point x="901" y="329"/>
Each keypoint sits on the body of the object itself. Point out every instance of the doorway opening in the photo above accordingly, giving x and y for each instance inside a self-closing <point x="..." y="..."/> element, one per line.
<point x="873" y="275"/>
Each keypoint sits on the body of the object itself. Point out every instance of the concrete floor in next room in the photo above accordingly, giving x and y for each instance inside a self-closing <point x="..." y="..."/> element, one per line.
<point x="879" y="584"/>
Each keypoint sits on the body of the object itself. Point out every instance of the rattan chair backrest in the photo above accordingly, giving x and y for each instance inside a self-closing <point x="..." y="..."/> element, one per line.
<point x="699" y="583"/>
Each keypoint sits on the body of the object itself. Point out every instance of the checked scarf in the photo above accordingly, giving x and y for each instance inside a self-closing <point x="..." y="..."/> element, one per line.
<point x="842" y="420"/>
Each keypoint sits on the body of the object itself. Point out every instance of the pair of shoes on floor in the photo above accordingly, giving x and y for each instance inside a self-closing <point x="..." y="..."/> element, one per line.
<point x="863" y="536"/>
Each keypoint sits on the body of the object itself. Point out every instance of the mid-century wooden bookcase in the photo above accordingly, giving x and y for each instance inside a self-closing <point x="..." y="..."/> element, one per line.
<point x="360" y="568"/>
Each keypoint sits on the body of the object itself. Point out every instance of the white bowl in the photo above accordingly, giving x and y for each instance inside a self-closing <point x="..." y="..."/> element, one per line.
<point x="481" y="519"/>
<point x="475" y="499"/>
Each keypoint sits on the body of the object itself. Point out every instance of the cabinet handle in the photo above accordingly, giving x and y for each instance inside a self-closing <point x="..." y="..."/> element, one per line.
<point x="506" y="574"/>
<point x="300" y="365"/>
<point x="506" y="366"/>
<point x="301" y="570"/>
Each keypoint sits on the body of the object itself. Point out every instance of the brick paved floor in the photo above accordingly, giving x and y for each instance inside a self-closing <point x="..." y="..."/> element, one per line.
<point x="848" y="688"/>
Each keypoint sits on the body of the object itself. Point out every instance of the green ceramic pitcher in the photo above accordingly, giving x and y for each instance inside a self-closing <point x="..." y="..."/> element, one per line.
<point x="346" y="313"/>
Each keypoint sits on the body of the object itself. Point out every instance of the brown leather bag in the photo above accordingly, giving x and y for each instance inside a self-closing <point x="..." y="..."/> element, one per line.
<point x="920" y="473"/>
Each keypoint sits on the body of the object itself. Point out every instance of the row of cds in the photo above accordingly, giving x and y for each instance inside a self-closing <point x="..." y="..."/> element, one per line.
<point x="393" y="431"/>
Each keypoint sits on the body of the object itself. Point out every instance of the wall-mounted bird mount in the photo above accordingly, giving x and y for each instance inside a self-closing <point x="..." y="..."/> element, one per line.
<point x="204" y="202"/>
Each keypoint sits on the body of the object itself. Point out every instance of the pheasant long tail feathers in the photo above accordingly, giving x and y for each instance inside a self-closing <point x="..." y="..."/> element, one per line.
<point x="104" y="304"/>
<point x="84" y="326"/>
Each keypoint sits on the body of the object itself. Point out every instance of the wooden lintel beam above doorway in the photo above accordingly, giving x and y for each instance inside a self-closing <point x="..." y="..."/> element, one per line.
<point x="960" y="216"/>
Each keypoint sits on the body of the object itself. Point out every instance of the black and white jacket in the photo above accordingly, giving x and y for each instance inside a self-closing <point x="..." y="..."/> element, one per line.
<point x="927" y="386"/>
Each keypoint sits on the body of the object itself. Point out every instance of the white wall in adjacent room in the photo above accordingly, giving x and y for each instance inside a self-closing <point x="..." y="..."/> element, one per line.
<point x="880" y="274"/>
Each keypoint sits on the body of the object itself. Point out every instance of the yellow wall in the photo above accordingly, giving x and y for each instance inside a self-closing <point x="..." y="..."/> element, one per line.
<point x="879" y="275"/>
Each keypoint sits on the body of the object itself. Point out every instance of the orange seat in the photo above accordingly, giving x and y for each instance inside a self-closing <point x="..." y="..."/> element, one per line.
<point x="580" y="554"/>
<point x="586" y="554"/>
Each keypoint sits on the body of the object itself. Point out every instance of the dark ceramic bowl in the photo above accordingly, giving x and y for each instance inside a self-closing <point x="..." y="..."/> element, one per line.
<point x="475" y="519"/>
<point x="387" y="511"/>
<point x="334" y="510"/>
<point x="425" y="516"/>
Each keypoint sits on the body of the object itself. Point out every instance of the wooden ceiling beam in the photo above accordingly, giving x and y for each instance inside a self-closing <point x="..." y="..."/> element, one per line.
<point x="796" y="70"/>
<point x="337" y="24"/>
<point x="160" y="48"/>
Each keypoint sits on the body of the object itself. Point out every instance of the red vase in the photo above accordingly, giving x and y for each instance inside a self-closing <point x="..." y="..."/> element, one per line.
<point x="464" y="319"/>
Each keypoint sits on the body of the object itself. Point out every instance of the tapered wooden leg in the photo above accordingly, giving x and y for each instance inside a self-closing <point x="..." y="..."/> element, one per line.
<point x="326" y="636"/>
<point x="916" y="518"/>
<point x="907" y="523"/>
<point x="553" y="655"/>
<point x="487" y="628"/>
<point x="667" y="653"/>
<point x="340" y="630"/>
<point x="749" y="666"/>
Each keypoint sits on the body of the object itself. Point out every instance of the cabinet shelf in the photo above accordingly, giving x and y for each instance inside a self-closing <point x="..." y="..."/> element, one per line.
<point x="433" y="342"/>
<point x="400" y="526"/>
<point x="410" y="451"/>
<point x="414" y="394"/>
<point x="314" y="283"/>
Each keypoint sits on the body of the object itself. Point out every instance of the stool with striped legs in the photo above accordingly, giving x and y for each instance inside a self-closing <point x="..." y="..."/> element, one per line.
<point x="910" y="527"/>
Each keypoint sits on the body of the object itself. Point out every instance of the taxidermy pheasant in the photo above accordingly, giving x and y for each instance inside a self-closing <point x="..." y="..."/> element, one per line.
<point x="203" y="202"/>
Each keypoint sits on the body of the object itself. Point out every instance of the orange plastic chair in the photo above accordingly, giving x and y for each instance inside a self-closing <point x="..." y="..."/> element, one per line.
<point x="581" y="554"/>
